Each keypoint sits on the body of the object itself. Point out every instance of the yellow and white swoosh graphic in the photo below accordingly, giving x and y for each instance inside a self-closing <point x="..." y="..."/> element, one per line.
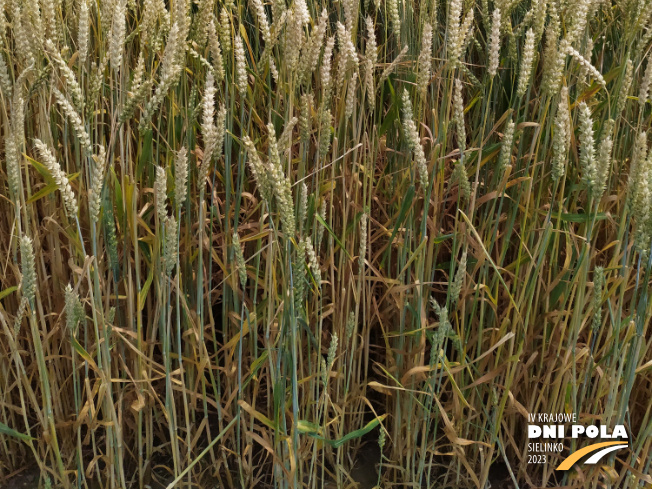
<point x="607" y="447"/>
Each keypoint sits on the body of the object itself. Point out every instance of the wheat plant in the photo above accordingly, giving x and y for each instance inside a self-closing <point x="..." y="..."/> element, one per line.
<point x="246" y="242"/>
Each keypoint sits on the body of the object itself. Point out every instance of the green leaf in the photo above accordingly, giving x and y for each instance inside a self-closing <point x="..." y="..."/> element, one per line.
<point x="7" y="291"/>
<point x="5" y="430"/>
<point x="143" y="292"/>
<point x="442" y="238"/>
<point x="47" y="190"/>
<point x="146" y="152"/>
<point x="393" y="113"/>
<point x="308" y="428"/>
<point x="255" y="366"/>
<point x="313" y="430"/>
<point x="330" y="231"/>
<point x="42" y="169"/>
<point x="405" y="207"/>
<point x="583" y="217"/>
<point x="83" y="353"/>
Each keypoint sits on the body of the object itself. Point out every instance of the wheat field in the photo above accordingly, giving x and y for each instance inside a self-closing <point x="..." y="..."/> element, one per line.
<point x="315" y="244"/>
